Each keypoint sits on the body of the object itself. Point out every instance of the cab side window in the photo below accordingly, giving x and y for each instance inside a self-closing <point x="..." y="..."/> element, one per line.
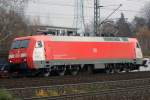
<point x="38" y="44"/>
<point x="137" y="45"/>
<point x="15" y="44"/>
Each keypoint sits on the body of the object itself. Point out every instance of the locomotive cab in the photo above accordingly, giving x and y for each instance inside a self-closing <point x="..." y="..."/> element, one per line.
<point x="39" y="54"/>
<point x="17" y="53"/>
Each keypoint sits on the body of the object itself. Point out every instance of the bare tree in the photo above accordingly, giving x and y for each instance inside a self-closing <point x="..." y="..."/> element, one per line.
<point x="12" y="22"/>
<point x="11" y="15"/>
<point x="123" y="27"/>
<point x="35" y="25"/>
<point x="138" y="22"/>
<point x="146" y="15"/>
<point x="146" y="10"/>
<point x="143" y="29"/>
<point x="15" y="5"/>
<point x="89" y="28"/>
<point x="144" y="39"/>
<point x="109" y="28"/>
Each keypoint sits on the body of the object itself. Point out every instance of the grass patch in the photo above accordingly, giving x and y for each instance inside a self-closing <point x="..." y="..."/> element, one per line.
<point x="5" y="95"/>
<point x="70" y="90"/>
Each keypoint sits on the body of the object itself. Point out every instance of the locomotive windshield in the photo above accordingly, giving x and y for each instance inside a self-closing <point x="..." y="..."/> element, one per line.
<point x="20" y="44"/>
<point x="15" y="45"/>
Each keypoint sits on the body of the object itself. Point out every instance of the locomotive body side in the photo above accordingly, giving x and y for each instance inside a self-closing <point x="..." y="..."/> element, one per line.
<point x="89" y="51"/>
<point x="86" y="50"/>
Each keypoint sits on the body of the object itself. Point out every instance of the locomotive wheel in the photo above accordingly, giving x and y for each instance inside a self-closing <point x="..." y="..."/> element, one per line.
<point x="117" y="70"/>
<point x="75" y="71"/>
<point x="108" y="71"/>
<point x="89" y="70"/>
<point x="112" y="71"/>
<point x="126" y="70"/>
<point x="61" y="73"/>
<point x="46" y="74"/>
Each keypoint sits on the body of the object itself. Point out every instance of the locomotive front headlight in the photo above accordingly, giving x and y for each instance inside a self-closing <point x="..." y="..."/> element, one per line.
<point x="24" y="59"/>
<point x="23" y="55"/>
<point x="11" y="56"/>
<point x="10" y="61"/>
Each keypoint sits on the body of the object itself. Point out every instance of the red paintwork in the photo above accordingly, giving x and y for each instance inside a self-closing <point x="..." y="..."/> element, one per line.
<point x="73" y="50"/>
<point x="84" y="50"/>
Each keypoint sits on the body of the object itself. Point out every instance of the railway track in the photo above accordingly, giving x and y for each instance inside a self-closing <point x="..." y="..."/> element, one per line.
<point x="59" y="91"/>
<point x="130" y="93"/>
<point x="30" y="82"/>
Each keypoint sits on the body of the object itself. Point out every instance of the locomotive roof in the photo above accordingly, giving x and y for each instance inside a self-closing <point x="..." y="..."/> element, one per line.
<point x="77" y="38"/>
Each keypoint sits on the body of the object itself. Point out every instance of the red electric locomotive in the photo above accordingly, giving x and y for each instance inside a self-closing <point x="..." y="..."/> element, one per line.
<point x="44" y="54"/>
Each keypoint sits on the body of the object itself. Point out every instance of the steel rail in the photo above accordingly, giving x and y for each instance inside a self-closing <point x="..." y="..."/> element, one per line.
<point x="120" y="91"/>
<point x="29" y="82"/>
<point x="78" y="88"/>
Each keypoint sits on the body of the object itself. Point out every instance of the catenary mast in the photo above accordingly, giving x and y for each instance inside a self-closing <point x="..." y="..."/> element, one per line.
<point x="97" y="17"/>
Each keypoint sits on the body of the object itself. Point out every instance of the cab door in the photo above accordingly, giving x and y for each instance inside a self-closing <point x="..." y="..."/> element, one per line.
<point x="39" y="55"/>
<point x="138" y="51"/>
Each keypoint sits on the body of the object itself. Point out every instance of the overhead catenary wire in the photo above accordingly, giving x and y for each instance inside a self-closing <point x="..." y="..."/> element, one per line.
<point x="111" y="14"/>
<point x="91" y="7"/>
<point x="69" y="17"/>
<point x="68" y="4"/>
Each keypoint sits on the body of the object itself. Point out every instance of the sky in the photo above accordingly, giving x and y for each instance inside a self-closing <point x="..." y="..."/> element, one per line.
<point x="61" y="12"/>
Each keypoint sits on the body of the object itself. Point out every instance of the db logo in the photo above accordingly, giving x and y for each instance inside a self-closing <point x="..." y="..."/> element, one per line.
<point x="95" y="50"/>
